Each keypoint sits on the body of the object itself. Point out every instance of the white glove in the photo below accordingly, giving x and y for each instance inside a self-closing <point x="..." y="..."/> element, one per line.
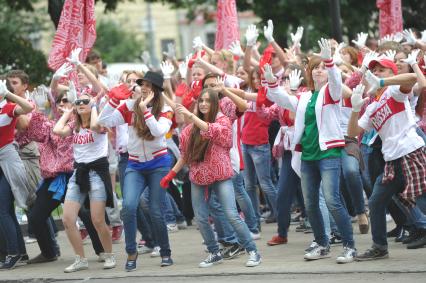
<point x="268" y="31"/>
<point x="183" y="69"/>
<point x="3" y="89"/>
<point x="167" y="69"/>
<point x="337" y="57"/>
<point x="197" y="44"/>
<point x="423" y="39"/>
<point x="412" y="57"/>
<point x="390" y="54"/>
<point x="171" y="51"/>
<point x="62" y="72"/>
<point x="361" y="39"/>
<point x="72" y="92"/>
<point x="367" y="59"/>
<point x="251" y="35"/>
<point x="146" y="58"/>
<point x="373" y="82"/>
<point x="39" y="96"/>
<point x="268" y="74"/>
<point x="409" y="37"/>
<point x="356" y="98"/>
<point x="325" y="46"/>
<point x="295" y="79"/>
<point x="74" y="57"/>
<point x="398" y="37"/>
<point x="297" y="37"/>
<point x="236" y="49"/>
<point x="386" y="38"/>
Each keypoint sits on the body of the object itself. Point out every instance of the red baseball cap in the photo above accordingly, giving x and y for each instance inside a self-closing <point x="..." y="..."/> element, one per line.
<point x="384" y="63"/>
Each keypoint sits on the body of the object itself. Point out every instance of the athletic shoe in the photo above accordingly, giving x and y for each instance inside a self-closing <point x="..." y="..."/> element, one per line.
<point x="131" y="264"/>
<point x="277" y="240"/>
<point x="318" y="252"/>
<point x="30" y="240"/>
<point x="155" y="252"/>
<point x="255" y="236"/>
<point x="101" y="257"/>
<point x="312" y="246"/>
<point x="254" y="259"/>
<point x="372" y="254"/>
<point x="182" y="225"/>
<point x="41" y="259"/>
<point x="79" y="264"/>
<point x="144" y="250"/>
<point x="172" y="228"/>
<point x="347" y="256"/>
<point x="166" y="261"/>
<point x="10" y="261"/>
<point x="211" y="259"/>
<point x="335" y="239"/>
<point x="109" y="261"/>
<point x="231" y="252"/>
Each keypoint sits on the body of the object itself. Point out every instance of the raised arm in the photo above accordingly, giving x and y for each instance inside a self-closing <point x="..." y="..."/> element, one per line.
<point x="268" y="32"/>
<point x="61" y="128"/>
<point x="23" y="106"/>
<point x="334" y="77"/>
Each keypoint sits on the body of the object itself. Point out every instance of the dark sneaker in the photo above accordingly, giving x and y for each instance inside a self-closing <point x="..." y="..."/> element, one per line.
<point x="414" y="236"/>
<point x="254" y="259"/>
<point x="404" y="236"/>
<point x="131" y="264"/>
<point x="335" y="240"/>
<point x="318" y="252"/>
<point x="231" y="251"/>
<point x="211" y="259"/>
<point x="10" y="261"/>
<point x="420" y="242"/>
<point x="372" y="254"/>
<point x="41" y="259"/>
<point x="395" y="232"/>
<point x="166" y="261"/>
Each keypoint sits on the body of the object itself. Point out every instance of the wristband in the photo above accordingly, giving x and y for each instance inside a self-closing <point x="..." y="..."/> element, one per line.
<point x="382" y="83"/>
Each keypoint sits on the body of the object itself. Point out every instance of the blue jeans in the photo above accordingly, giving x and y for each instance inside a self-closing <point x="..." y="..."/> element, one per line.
<point x="9" y="226"/>
<point x="224" y="230"/>
<point x="172" y="213"/>
<point x="257" y="163"/>
<point x="135" y="182"/>
<point x="326" y="171"/>
<point x="226" y="197"/>
<point x="365" y="174"/>
<point x="244" y="202"/>
<point x="353" y="181"/>
<point x="326" y="217"/>
<point x="288" y="184"/>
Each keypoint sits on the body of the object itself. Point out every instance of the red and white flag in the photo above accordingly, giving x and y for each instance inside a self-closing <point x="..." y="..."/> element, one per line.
<point x="390" y="17"/>
<point x="77" y="28"/>
<point x="227" y="24"/>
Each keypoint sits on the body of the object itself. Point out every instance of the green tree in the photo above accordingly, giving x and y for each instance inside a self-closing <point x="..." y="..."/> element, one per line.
<point x="115" y="44"/>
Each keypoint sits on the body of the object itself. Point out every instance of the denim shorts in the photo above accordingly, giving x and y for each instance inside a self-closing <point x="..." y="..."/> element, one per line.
<point x="97" y="189"/>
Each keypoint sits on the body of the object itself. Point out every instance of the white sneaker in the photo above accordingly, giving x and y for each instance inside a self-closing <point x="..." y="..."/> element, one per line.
<point x="155" y="252"/>
<point x="172" y="228"/>
<point x="101" y="257"/>
<point x="255" y="236"/>
<point x="347" y="256"/>
<point x="144" y="250"/>
<point x="254" y="259"/>
<point x="109" y="261"/>
<point x="182" y="225"/>
<point x="79" y="264"/>
<point x="318" y="252"/>
<point x="211" y="259"/>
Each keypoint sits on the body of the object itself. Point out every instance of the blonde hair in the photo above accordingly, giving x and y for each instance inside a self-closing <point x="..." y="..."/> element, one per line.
<point x="227" y="57"/>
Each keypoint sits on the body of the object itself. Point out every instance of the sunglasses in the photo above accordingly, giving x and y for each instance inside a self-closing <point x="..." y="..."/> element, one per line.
<point x="63" y="100"/>
<point x="82" y="101"/>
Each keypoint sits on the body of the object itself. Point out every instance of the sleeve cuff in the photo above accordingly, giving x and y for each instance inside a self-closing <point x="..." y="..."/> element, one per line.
<point x="329" y="63"/>
<point x="114" y="102"/>
<point x="273" y="85"/>
<point x="147" y="115"/>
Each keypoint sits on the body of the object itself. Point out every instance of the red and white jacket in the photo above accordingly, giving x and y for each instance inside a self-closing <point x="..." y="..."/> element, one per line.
<point x="139" y="149"/>
<point x="327" y="110"/>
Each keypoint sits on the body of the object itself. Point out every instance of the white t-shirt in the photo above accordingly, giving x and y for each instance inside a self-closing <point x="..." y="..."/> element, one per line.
<point x="392" y="118"/>
<point x="89" y="146"/>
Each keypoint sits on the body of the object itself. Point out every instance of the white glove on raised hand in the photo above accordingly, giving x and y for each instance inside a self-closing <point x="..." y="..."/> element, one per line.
<point x="39" y="96"/>
<point x="295" y="79"/>
<point x="146" y="58"/>
<point x="197" y="44"/>
<point x="251" y="35"/>
<point x="386" y="38"/>
<point x="337" y="57"/>
<point x="171" y="51"/>
<point x="373" y="82"/>
<point x="398" y="37"/>
<point x="183" y="69"/>
<point x="3" y="89"/>
<point x="297" y="37"/>
<point x="62" y="72"/>
<point x="412" y="57"/>
<point x="268" y="74"/>
<point x="361" y="39"/>
<point x="167" y="69"/>
<point x="72" y="92"/>
<point x="409" y="37"/>
<point x="236" y="49"/>
<point x="367" y="59"/>
<point x="325" y="46"/>
<point x="74" y="57"/>
<point x="390" y="54"/>
<point x="356" y="98"/>
<point x="268" y="31"/>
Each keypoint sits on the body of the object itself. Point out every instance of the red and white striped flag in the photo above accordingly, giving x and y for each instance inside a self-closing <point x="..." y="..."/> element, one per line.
<point x="390" y="17"/>
<point x="227" y="24"/>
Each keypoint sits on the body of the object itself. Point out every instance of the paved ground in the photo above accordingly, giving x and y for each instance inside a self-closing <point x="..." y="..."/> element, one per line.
<point x="279" y="262"/>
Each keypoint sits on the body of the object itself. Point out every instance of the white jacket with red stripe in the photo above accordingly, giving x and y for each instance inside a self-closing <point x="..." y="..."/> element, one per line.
<point x="139" y="149"/>
<point x="327" y="110"/>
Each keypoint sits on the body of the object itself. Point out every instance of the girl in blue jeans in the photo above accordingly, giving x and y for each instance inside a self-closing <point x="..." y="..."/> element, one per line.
<point x="149" y="120"/>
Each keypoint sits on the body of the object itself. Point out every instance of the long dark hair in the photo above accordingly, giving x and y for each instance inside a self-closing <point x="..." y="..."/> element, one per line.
<point x="197" y="146"/>
<point x="139" y="121"/>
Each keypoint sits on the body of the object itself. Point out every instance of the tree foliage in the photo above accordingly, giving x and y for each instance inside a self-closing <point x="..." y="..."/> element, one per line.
<point x="116" y="45"/>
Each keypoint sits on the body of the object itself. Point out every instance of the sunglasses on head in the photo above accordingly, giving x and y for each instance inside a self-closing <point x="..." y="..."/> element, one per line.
<point x="82" y="101"/>
<point x="63" y="100"/>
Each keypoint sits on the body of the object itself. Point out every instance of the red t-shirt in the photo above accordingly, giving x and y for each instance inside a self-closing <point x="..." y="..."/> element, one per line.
<point x="255" y="129"/>
<point x="7" y="122"/>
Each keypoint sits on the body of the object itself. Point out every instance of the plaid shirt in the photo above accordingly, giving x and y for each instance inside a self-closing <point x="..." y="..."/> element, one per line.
<point x="413" y="167"/>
